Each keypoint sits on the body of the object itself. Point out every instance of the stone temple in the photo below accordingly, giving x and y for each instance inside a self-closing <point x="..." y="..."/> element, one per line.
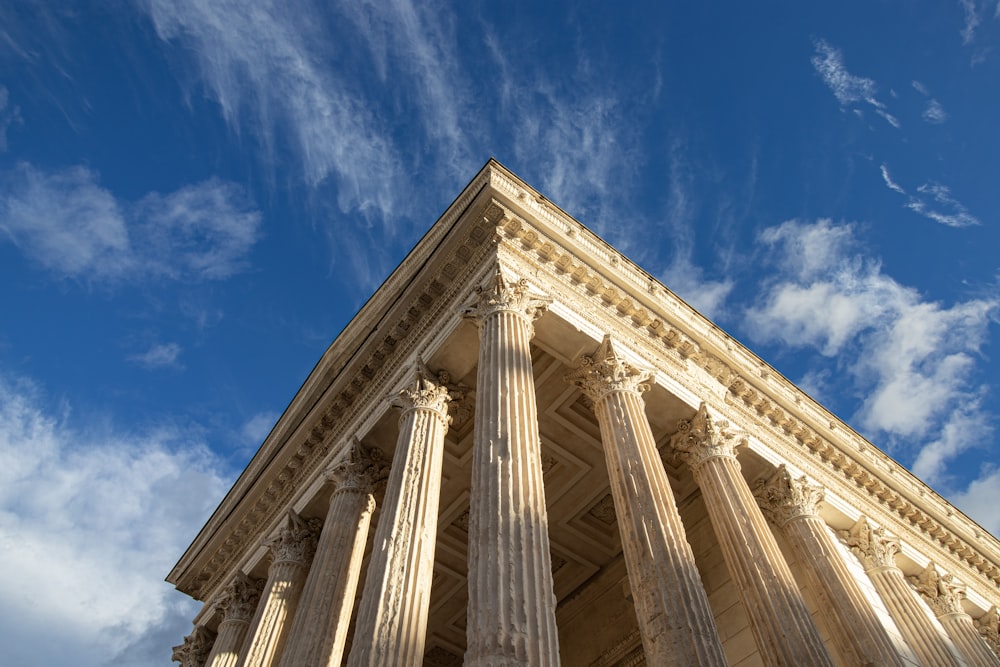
<point x="524" y="450"/>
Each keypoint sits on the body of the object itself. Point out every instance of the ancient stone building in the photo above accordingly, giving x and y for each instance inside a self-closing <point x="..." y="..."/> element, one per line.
<point x="524" y="450"/>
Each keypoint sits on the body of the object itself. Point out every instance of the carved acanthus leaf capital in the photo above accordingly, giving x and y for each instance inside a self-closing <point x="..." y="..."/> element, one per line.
<point x="195" y="649"/>
<point x="296" y="541"/>
<point x="783" y="498"/>
<point x="702" y="438"/>
<point x="606" y="371"/>
<point x="872" y="545"/>
<point x="941" y="592"/>
<point x="500" y="295"/>
<point x="425" y="392"/>
<point x="362" y="468"/>
<point x="989" y="628"/>
<point x="239" y="600"/>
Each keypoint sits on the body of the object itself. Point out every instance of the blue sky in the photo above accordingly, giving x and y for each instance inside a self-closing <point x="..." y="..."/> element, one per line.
<point x="196" y="196"/>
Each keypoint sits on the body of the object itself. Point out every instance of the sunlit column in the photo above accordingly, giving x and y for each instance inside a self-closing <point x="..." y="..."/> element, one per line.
<point x="672" y="608"/>
<point x="511" y="617"/>
<point x="988" y="626"/>
<point x="392" y="619"/>
<point x="319" y="630"/>
<point x="238" y="603"/>
<point x="877" y="552"/>
<point x="791" y="505"/>
<point x="779" y="619"/>
<point x="944" y="596"/>
<point x="195" y="649"/>
<point x="291" y="550"/>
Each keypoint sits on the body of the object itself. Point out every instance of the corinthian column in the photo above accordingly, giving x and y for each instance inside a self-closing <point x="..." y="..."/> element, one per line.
<point x="779" y="619"/>
<point x="877" y="552"/>
<point x="988" y="626"/>
<point x="944" y="596"/>
<point x="237" y="605"/>
<point x="291" y="550"/>
<point x="319" y="629"/>
<point x="511" y="618"/>
<point x="195" y="649"/>
<point x="392" y="620"/>
<point x="791" y="505"/>
<point x="675" y="619"/>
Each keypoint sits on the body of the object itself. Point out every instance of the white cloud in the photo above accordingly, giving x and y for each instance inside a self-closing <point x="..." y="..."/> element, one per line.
<point x="71" y="225"/>
<point x="160" y="355"/>
<point x="920" y="88"/>
<point x="90" y="523"/>
<point x="979" y="499"/>
<point x="848" y="88"/>
<point x="934" y="113"/>
<point x="8" y="117"/>
<point x="257" y="427"/>
<point x="889" y="183"/>
<point x="263" y="63"/>
<point x="971" y="22"/>
<point x="912" y="360"/>
<point x="955" y="213"/>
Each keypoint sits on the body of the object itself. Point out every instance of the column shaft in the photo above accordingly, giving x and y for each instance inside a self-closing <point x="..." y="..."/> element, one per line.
<point x="237" y="605"/>
<point x="511" y="618"/>
<point x="675" y="619"/>
<point x="319" y="629"/>
<point x="392" y="620"/>
<point x="226" y="650"/>
<point x="779" y="619"/>
<point x="967" y="639"/>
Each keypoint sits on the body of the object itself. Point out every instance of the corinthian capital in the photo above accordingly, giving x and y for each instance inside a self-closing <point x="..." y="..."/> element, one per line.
<point x="498" y="295"/>
<point x="239" y="600"/>
<point x="873" y="546"/>
<point x="362" y="468"/>
<point x="940" y="591"/>
<point x="989" y="628"/>
<point x="195" y="649"/>
<point x="427" y="392"/>
<point x="605" y="371"/>
<point x="296" y="541"/>
<point x="783" y="498"/>
<point x="702" y="438"/>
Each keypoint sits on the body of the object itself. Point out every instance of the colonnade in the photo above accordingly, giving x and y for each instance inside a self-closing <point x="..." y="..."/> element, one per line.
<point x="300" y="616"/>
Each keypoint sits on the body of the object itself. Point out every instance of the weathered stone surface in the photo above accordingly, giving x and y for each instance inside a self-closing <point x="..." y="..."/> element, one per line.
<point x="237" y="605"/>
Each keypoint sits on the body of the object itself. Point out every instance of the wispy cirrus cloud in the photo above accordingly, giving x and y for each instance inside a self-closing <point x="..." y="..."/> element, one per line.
<point x="933" y="112"/>
<point x="889" y="183"/>
<point x="9" y="115"/>
<point x="90" y="520"/>
<point x="74" y="227"/>
<point x="933" y="201"/>
<point x="159" y="355"/>
<point x="849" y="89"/>
<point x="912" y="359"/>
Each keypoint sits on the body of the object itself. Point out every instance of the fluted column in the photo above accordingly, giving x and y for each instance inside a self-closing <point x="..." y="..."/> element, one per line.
<point x="944" y="596"/>
<point x="319" y="629"/>
<point x="988" y="626"/>
<point x="195" y="649"/>
<point x="675" y="620"/>
<point x="779" y="619"/>
<point x="511" y="617"/>
<point x="237" y="605"/>
<point x="291" y="550"/>
<point x="392" y="619"/>
<point x="791" y="505"/>
<point x="877" y="552"/>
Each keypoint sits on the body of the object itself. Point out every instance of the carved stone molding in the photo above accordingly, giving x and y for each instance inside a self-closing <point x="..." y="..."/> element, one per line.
<point x="362" y="468"/>
<point x="425" y="392"/>
<point x="195" y="649"/>
<point x="941" y="592"/>
<point x="989" y="628"/>
<point x="702" y="438"/>
<point x="239" y="600"/>
<point x="295" y="541"/>
<point x="783" y="498"/>
<point x="500" y="295"/>
<point x="606" y="371"/>
<point x="872" y="545"/>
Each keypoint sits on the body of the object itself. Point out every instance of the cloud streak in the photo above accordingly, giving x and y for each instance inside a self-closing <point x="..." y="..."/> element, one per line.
<point x="933" y="201"/>
<point x="848" y="88"/>
<point x="913" y="360"/>
<point x="72" y="226"/>
<point x="159" y="355"/>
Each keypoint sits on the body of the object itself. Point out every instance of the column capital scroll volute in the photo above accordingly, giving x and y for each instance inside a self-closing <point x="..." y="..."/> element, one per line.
<point x="942" y="593"/>
<point x="499" y="294"/>
<point x="989" y="628"/>
<point x="295" y="542"/>
<point x="195" y="649"/>
<point x="782" y="497"/>
<point x="238" y="601"/>
<point x="606" y="371"/>
<point x="703" y="438"/>
<point x="425" y="391"/>
<point x="362" y="468"/>
<point x="873" y="546"/>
